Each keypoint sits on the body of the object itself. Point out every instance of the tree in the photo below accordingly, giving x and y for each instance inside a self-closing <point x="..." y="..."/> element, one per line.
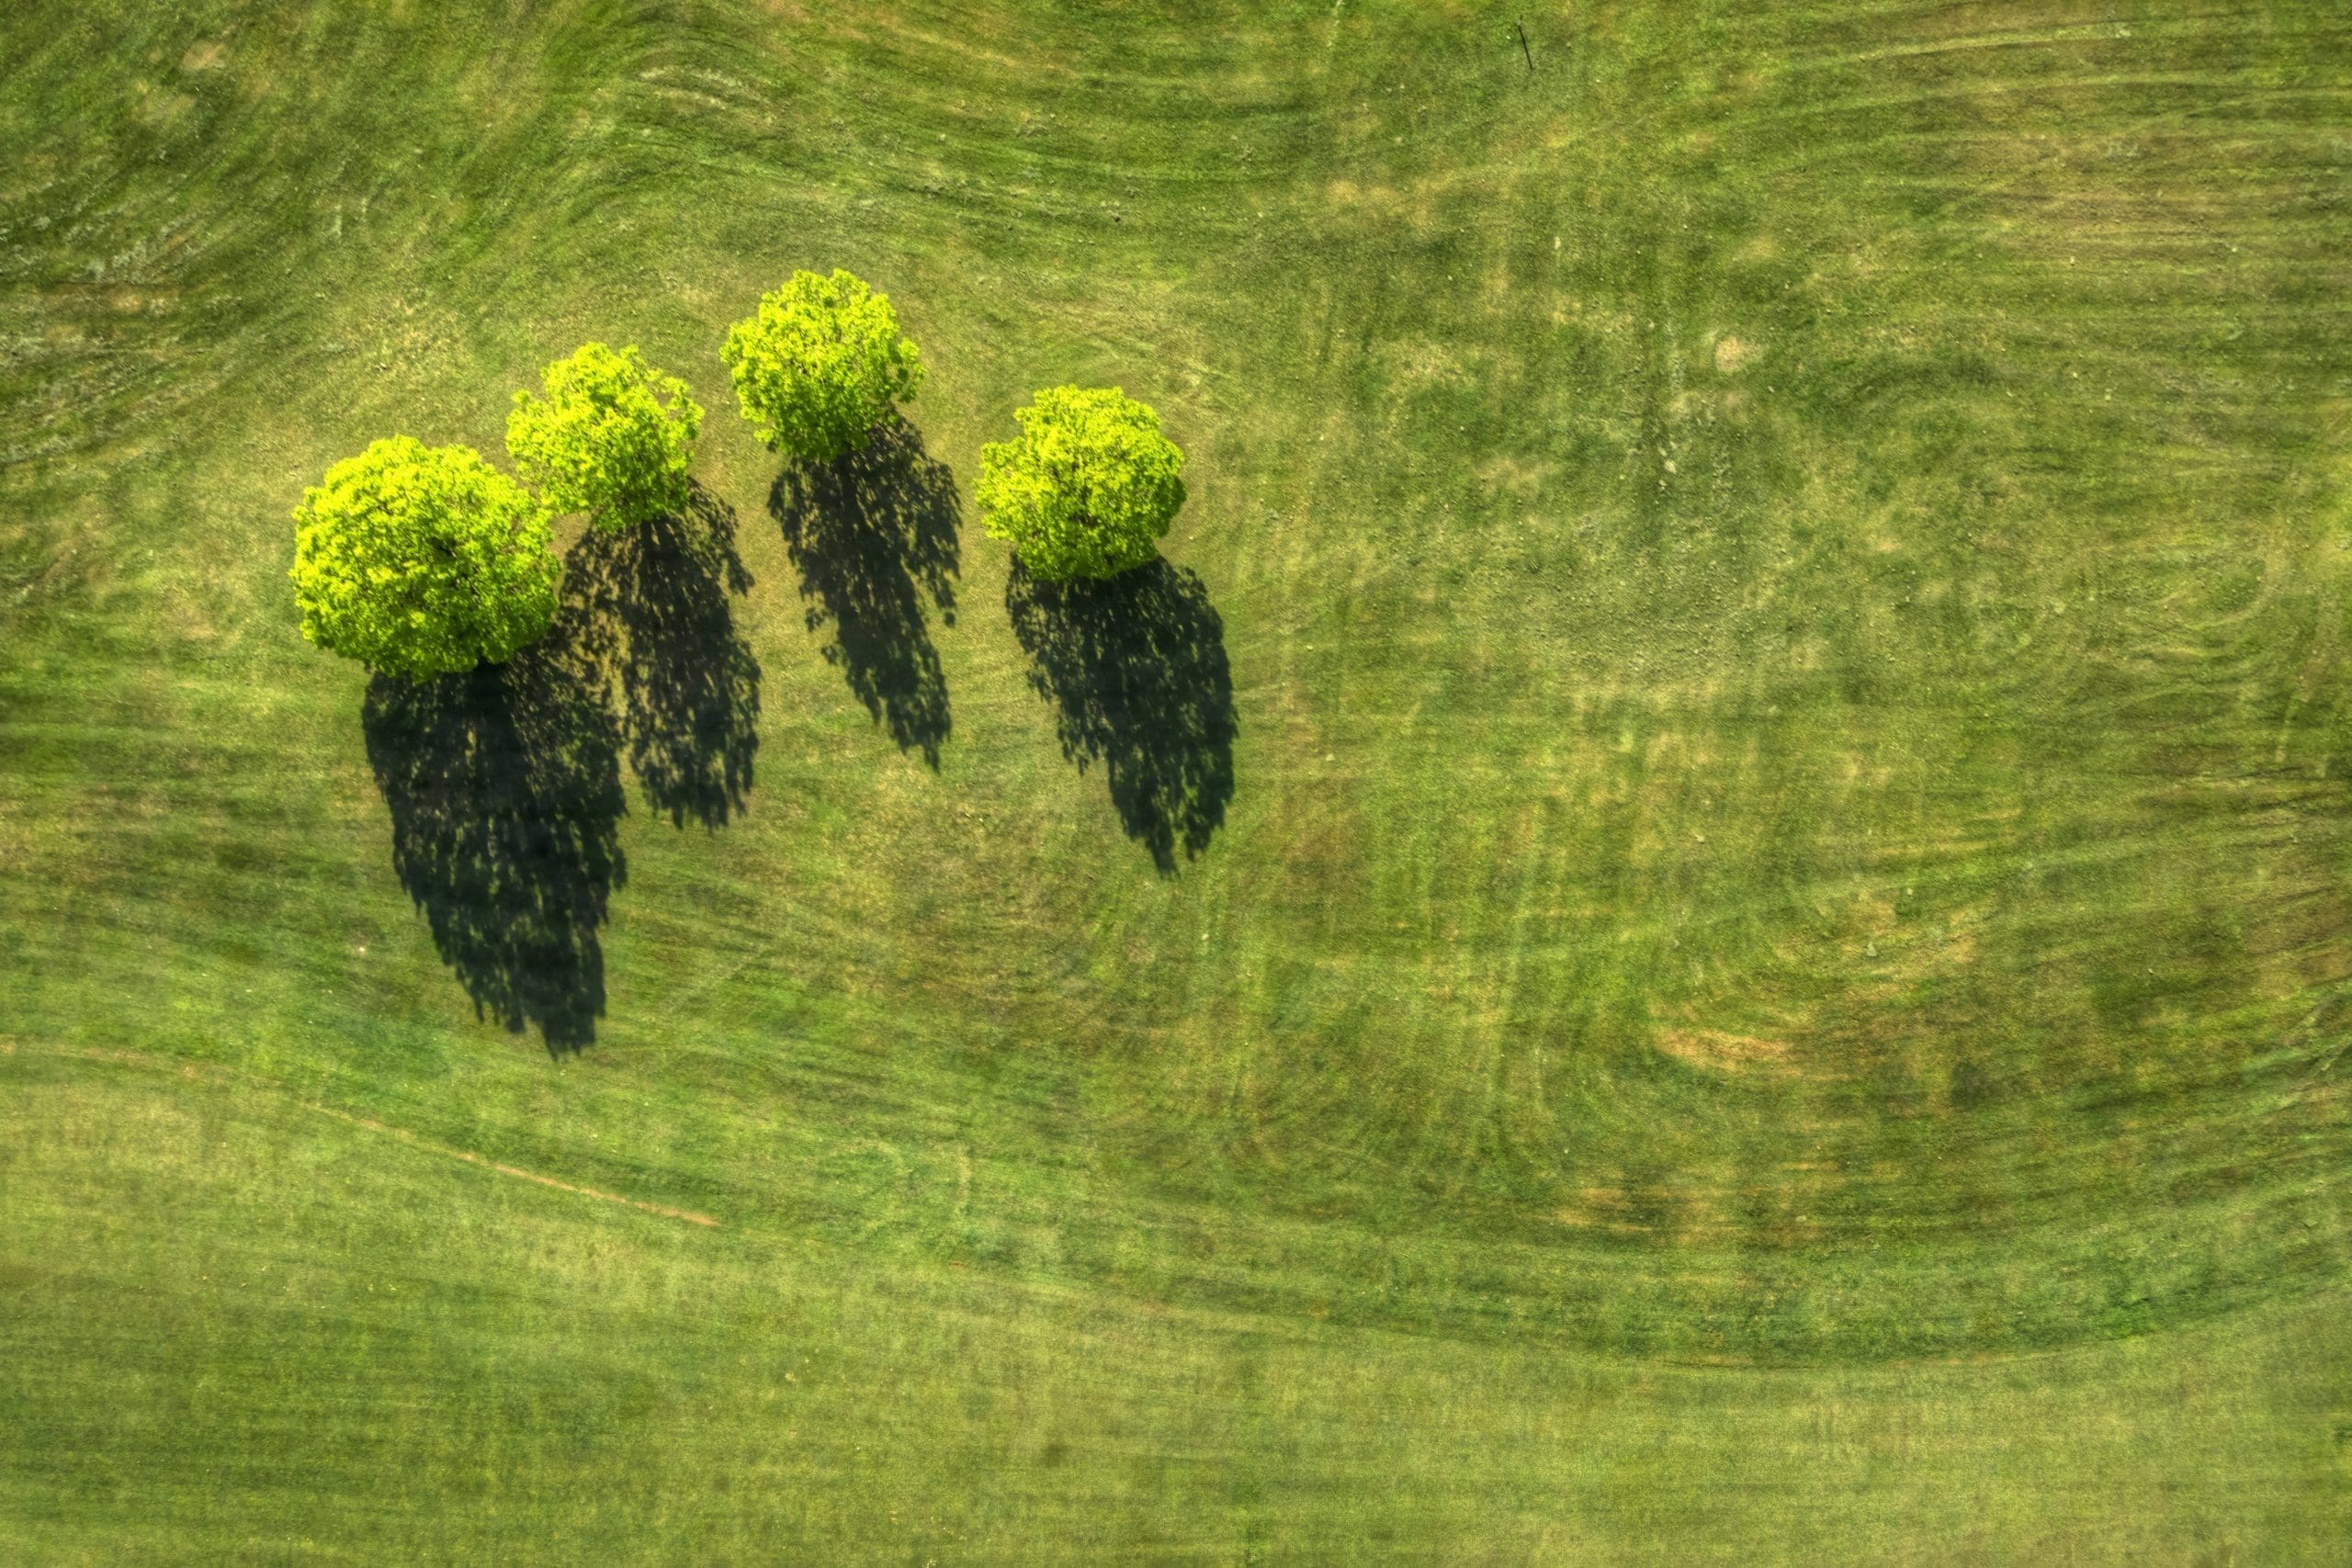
<point x="611" y="438"/>
<point x="821" y="365"/>
<point x="1087" y="489"/>
<point x="422" y="561"/>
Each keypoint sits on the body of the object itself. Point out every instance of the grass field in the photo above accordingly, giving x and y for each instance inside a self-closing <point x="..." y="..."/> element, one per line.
<point x="1716" y="924"/>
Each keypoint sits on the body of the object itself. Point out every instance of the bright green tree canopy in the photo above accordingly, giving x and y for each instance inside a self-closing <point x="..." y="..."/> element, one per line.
<point x="420" y="560"/>
<point x="611" y="438"/>
<point x="1087" y="487"/>
<point x="821" y="365"/>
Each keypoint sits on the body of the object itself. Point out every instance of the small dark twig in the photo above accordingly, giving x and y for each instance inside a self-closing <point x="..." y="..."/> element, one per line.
<point x="1523" y="49"/>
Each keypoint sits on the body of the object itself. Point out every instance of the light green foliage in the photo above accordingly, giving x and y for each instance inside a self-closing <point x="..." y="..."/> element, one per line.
<point x="1772" y="990"/>
<point x="420" y="560"/>
<point x="612" y="437"/>
<point x="821" y="364"/>
<point x="1087" y="489"/>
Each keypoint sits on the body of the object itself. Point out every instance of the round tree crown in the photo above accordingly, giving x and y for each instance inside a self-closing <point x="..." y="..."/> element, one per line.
<point x="821" y="364"/>
<point x="420" y="561"/>
<point x="1089" y="487"/>
<point x="612" y="437"/>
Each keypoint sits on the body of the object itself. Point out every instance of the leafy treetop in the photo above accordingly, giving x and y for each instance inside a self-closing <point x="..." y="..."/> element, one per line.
<point x="1087" y="487"/>
<point x="611" y="438"/>
<point x="422" y="561"/>
<point x="821" y="365"/>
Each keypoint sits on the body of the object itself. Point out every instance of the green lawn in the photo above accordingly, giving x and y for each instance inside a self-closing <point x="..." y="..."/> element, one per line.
<point x="1713" y="920"/>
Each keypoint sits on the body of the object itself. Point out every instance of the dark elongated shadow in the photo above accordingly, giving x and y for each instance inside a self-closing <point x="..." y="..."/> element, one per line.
<point x="653" y="605"/>
<point x="1136" y="671"/>
<point x="873" y="535"/>
<point x="505" y="798"/>
<point x="504" y="784"/>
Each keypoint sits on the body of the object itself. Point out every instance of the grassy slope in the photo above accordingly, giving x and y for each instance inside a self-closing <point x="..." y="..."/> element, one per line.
<point x="1780" y="575"/>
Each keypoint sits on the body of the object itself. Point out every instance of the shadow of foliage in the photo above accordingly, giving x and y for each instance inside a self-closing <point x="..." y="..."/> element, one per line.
<point x="504" y="784"/>
<point x="649" y="606"/>
<point x="874" y="535"/>
<point x="1136" y="671"/>
<point x="506" y="796"/>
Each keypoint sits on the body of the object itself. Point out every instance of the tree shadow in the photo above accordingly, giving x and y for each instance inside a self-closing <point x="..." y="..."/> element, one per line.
<point x="873" y="535"/>
<point x="649" y="603"/>
<point x="504" y="790"/>
<point x="1136" y="669"/>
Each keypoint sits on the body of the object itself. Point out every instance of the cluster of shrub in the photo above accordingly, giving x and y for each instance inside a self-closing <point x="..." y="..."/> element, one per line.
<point x="426" y="560"/>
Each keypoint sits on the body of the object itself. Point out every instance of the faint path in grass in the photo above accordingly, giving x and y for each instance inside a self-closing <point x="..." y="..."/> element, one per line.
<point x="123" y="1056"/>
<point x="414" y="1140"/>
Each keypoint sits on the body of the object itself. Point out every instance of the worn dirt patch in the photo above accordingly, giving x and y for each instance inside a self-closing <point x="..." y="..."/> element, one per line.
<point x="1732" y="353"/>
<point x="1721" y="1052"/>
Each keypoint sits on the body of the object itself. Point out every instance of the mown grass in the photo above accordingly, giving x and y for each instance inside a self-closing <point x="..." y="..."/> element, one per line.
<point x="1770" y="982"/>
